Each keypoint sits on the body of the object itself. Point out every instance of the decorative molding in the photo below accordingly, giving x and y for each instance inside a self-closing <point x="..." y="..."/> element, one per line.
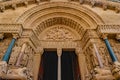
<point x="108" y="28"/>
<point x="59" y="21"/>
<point x="13" y="3"/>
<point x="11" y="28"/>
<point x="57" y="44"/>
<point x="99" y="3"/>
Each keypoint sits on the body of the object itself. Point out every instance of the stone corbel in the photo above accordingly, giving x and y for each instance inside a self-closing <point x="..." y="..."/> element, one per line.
<point x="118" y="37"/>
<point x="1" y="36"/>
<point x="26" y="3"/>
<point x="2" y="8"/>
<point x="93" y="3"/>
<point x="117" y="9"/>
<point x="14" y="6"/>
<point x="81" y="1"/>
<point x="38" y="1"/>
<point x="105" y="7"/>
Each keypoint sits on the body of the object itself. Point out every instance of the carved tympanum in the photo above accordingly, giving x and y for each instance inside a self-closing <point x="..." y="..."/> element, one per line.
<point x="58" y="33"/>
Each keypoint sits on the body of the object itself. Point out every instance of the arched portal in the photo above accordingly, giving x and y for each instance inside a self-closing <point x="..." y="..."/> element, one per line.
<point x="60" y="25"/>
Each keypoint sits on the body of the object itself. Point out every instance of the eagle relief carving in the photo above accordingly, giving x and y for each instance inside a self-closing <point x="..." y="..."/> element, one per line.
<point x="58" y="33"/>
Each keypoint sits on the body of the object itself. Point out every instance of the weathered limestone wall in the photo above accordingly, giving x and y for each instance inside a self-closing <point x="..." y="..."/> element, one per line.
<point x="10" y="16"/>
<point x="108" y="16"/>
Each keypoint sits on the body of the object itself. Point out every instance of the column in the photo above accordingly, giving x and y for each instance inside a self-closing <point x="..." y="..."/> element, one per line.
<point x="98" y="56"/>
<point x="37" y="60"/>
<point x="112" y="55"/>
<point x="9" y="49"/>
<point x="21" y="54"/>
<point x="59" y="53"/>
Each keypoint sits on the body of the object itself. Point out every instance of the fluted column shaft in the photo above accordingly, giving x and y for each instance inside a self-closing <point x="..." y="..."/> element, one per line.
<point x="98" y="56"/>
<point x="21" y="54"/>
<point x="9" y="49"/>
<point x="110" y="50"/>
<point x="59" y="53"/>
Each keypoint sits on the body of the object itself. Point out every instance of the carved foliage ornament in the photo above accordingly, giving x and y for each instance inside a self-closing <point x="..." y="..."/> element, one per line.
<point x="58" y="33"/>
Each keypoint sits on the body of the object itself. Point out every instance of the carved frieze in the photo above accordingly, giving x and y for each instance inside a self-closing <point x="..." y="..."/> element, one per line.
<point x="108" y="29"/>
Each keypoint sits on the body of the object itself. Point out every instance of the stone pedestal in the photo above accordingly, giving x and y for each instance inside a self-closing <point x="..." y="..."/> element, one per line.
<point x="3" y="68"/>
<point x="102" y="74"/>
<point x="116" y="70"/>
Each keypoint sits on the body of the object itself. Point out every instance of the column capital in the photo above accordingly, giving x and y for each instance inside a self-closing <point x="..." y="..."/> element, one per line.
<point x="78" y="51"/>
<point x="104" y="36"/>
<point x="15" y="36"/>
<point x="118" y="36"/>
<point x="59" y="51"/>
<point x="40" y="50"/>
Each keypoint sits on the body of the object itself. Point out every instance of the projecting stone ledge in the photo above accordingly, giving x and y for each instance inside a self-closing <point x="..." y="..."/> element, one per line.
<point x="116" y="70"/>
<point x="102" y="74"/>
<point x="19" y="73"/>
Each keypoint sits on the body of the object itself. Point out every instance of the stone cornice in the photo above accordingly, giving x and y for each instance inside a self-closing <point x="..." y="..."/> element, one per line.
<point x="13" y="4"/>
<point x="11" y="28"/>
<point x="94" y="3"/>
<point x="108" y="29"/>
<point x="105" y="4"/>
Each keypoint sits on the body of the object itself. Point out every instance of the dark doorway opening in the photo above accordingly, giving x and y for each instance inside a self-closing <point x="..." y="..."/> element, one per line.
<point x="49" y="64"/>
<point x="70" y="67"/>
<point x="48" y="67"/>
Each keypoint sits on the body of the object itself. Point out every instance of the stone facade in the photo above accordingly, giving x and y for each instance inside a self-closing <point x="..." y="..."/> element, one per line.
<point x="60" y="24"/>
